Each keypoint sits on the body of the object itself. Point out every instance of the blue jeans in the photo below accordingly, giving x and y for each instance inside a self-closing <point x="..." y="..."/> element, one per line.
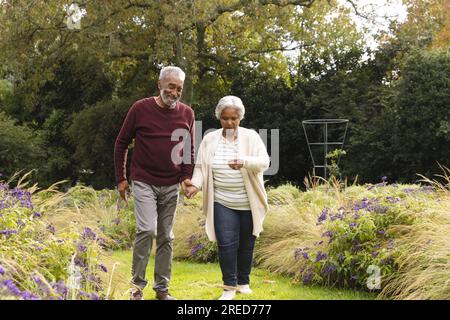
<point x="236" y="242"/>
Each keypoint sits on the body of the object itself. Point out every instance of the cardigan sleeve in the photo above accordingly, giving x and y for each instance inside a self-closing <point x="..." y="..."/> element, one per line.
<point x="197" y="176"/>
<point x="260" y="161"/>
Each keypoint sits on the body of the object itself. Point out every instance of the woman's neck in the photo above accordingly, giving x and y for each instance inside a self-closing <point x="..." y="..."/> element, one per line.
<point x="230" y="134"/>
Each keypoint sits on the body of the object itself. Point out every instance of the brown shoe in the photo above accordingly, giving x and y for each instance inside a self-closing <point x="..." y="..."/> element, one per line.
<point x="136" y="294"/>
<point x="164" y="295"/>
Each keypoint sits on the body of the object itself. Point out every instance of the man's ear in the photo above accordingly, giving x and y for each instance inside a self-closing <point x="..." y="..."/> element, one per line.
<point x="159" y="84"/>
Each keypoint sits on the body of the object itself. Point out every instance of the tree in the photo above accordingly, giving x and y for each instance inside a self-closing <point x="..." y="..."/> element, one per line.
<point x="93" y="133"/>
<point x="202" y="36"/>
<point x="422" y="114"/>
<point x="20" y="147"/>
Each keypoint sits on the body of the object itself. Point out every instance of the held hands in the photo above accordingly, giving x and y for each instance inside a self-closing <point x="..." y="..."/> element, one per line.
<point x="188" y="188"/>
<point x="123" y="189"/>
<point x="236" y="164"/>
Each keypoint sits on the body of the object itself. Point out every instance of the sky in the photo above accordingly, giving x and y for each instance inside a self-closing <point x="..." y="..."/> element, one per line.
<point x="380" y="11"/>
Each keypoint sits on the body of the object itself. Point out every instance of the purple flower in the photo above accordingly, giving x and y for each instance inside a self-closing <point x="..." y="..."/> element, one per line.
<point x="379" y="209"/>
<point x="323" y="215"/>
<point x="117" y="221"/>
<point x="375" y="254"/>
<point x="95" y="296"/>
<point x="104" y="268"/>
<point x="329" y="234"/>
<point x="60" y="288"/>
<point x="2" y="271"/>
<point x="308" y="277"/>
<point x="197" y="248"/>
<point x="297" y="252"/>
<point x="81" y="248"/>
<point x="12" y="287"/>
<point x="384" y="178"/>
<point x="381" y="232"/>
<point x="364" y="204"/>
<point x="321" y="256"/>
<point x="91" y="278"/>
<point x="88" y="234"/>
<point x="305" y="255"/>
<point x="26" y="295"/>
<point x="101" y="242"/>
<point x="329" y="270"/>
<point x="51" y="229"/>
<point x="392" y="199"/>
<point x="353" y="224"/>
<point x="37" y="215"/>
<point x="8" y="232"/>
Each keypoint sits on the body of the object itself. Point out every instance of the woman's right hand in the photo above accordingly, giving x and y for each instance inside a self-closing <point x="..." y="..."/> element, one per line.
<point x="190" y="191"/>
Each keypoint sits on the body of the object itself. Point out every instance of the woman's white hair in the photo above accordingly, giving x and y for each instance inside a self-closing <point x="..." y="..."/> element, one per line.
<point x="169" y="70"/>
<point x="230" y="102"/>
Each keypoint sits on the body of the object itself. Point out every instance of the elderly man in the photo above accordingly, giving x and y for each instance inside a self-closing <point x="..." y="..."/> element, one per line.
<point x="155" y="175"/>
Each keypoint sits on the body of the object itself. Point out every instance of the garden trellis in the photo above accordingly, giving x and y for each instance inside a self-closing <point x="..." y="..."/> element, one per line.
<point x="320" y="130"/>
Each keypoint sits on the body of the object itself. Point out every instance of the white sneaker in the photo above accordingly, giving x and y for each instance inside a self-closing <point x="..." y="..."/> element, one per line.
<point x="228" y="295"/>
<point x="244" y="288"/>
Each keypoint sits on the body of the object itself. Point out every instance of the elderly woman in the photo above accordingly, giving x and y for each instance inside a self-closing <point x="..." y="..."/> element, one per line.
<point x="229" y="169"/>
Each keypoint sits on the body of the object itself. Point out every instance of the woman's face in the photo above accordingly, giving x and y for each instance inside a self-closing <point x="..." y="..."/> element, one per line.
<point x="229" y="119"/>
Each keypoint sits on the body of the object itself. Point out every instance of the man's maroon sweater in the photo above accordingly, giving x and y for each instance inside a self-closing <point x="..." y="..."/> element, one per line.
<point x="152" y="127"/>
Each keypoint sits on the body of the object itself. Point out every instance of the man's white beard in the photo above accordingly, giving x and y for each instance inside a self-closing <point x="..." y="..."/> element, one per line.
<point x="168" y="101"/>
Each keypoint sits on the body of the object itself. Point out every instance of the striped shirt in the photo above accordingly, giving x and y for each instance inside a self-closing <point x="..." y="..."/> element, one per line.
<point x="229" y="188"/>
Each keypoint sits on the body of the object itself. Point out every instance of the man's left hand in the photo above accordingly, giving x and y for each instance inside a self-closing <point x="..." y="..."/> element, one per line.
<point x="185" y="184"/>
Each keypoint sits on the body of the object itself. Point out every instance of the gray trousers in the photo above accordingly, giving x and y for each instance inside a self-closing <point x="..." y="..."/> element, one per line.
<point x="154" y="208"/>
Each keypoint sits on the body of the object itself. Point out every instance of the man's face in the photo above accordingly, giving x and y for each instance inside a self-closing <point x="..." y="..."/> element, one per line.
<point x="170" y="89"/>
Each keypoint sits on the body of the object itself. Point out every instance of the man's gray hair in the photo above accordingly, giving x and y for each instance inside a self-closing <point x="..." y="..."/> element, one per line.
<point x="231" y="102"/>
<point x="172" y="70"/>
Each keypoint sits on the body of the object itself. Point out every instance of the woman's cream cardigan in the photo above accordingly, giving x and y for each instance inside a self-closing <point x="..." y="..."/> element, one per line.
<point x="256" y="160"/>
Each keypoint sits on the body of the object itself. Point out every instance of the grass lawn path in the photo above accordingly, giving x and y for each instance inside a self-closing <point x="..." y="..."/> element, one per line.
<point x="201" y="281"/>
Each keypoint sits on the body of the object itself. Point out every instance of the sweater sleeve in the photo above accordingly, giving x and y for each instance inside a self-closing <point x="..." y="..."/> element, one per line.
<point x="260" y="161"/>
<point x="187" y="168"/>
<point x="126" y="135"/>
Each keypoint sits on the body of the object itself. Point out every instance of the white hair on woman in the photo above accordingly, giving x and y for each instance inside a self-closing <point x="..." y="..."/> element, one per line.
<point x="172" y="70"/>
<point x="230" y="102"/>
